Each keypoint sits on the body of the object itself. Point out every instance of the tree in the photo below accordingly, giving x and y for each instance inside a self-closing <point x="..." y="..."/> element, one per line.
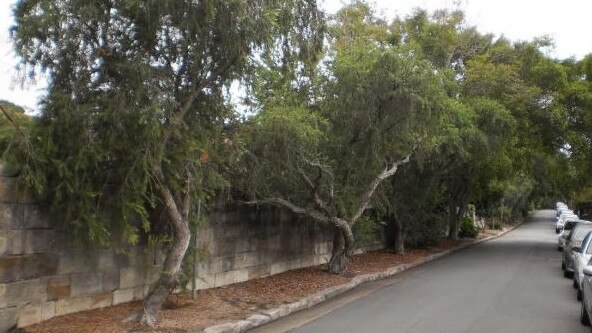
<point x="135" y="97"/>
<point x="326" y="158"/>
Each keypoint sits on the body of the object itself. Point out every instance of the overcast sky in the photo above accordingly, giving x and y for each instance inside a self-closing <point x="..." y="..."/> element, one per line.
<point x="568" y="22"/>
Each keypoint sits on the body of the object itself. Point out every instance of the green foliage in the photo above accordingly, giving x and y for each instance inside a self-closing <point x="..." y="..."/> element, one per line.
<point x="136" y="105"/>
<point x="468" y="228"/>
<point x="366" y="231"/>
<point x="426" y="232"/>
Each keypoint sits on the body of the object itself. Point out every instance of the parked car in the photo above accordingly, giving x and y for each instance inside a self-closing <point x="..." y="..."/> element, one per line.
<point x="581" y="258"/>
<point x="560" y="207"/>
<point x="570" y="222"/>
<point x="586" y="296"/>
<point x="572" y="243"/>
<point x="561" y="220"/>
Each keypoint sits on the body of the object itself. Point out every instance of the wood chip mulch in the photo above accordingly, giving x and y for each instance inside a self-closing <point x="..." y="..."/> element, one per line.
<point x="231" y="303"/>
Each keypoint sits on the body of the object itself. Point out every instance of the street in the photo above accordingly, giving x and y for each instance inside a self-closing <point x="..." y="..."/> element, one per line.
<point x="510" y="284"/>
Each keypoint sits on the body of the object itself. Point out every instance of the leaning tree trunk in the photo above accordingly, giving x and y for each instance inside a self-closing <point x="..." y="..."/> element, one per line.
<point x="343" y="247"/>
<point x="167" y="282"/>
<point x="399" y="246"/>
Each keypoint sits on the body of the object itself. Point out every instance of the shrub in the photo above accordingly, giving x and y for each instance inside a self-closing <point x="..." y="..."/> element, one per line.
<point x="468" y="228"/>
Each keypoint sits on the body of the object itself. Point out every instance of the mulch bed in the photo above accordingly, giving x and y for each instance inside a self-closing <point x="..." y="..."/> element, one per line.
<point x="230" y="303"/>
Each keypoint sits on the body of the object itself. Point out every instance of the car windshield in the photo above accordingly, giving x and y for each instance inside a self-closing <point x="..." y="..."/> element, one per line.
<point x="579" y="232"/>
<point x="569" y="224"/>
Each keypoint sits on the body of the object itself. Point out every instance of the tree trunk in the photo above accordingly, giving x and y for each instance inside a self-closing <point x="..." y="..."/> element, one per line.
<point x="453" y="221"/>
<point x="399" y="246"/>
<point x="167" y="282"/>
<point x="343" y="247"/>
<point x="457" y="212"/>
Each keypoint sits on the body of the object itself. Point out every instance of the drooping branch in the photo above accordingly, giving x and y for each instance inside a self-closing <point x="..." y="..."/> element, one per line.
<point x="369" y="193"/>
<point x="294" y="208"/>
<point x="17" y="127"/>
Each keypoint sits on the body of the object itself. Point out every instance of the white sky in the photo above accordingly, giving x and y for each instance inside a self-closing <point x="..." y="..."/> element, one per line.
<point x="568" y="22"/>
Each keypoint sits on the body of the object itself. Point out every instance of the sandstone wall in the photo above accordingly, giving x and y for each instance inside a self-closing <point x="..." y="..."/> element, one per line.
<point x="43" y="274"/>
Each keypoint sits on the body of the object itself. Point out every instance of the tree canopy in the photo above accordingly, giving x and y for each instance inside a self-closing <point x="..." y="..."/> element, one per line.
<point x="355" y="121"/>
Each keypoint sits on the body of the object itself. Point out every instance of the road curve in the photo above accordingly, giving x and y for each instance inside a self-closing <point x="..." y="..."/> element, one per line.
<point x="511" y="284"/>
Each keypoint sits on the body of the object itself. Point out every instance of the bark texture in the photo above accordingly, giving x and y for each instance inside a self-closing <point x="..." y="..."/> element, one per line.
<point x="400" y="235"/>
<point x="167" y="282"/>
<point x="343" y="247"/>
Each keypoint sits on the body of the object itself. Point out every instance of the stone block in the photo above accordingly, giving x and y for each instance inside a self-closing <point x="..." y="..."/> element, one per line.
<point x="280" y="267"/>
<point x="243" y="245"/>
<point x="11" y="216"/>
<point x="73" y="263"/>
<point x="101" y="301"/>
<point x="307" y="261"/>
<point x="123" y="296"/>
<point x="259" y="271"/>
<point x="140" y="292"/>
<point x="11" y="192"/>
<point x="321" y="248"/>
<point x="130" y="277"/>
<point x="39" y="241"/>
<point x="3" y="244"/>
<point x="74" y="304"/>
<point x="15" y="241"/>
<point x="205" y="282"/>
<point x="8" y="319"/>
<point x="21" y="293"/>
<point x="248" y="259"/>
<point x="107" y="261"/>
<point x="29" y="315"/>
<point x="322" y="259"/>
<point x="226" y="278"/>
<point x="14" y="268"/>
<point x="242" y="275"/>
<point x="110" y="281"/>
<point x="7" y="189"/>
<point x="58" y="287"/>
<point x="221" y="264"/>
<point x="48" y="310"/>
<point x="36" y="217"/>
<point x="85" y="284"/>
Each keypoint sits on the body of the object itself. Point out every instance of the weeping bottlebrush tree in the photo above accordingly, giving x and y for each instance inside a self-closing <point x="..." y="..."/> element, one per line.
<point x="131" y="130"/>
<point x="325" y="156"/>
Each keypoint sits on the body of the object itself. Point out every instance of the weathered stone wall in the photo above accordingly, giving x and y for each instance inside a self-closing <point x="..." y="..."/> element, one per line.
<point x="43" y="274"/>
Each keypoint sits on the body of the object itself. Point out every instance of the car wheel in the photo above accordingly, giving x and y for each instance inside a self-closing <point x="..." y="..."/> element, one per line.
<point x="579" y="295"/>
<point x="584" y="319"/>
<point x="567" y="274"/>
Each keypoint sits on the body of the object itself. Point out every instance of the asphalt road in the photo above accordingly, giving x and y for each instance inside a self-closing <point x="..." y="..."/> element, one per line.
<point x="511" y="284"/>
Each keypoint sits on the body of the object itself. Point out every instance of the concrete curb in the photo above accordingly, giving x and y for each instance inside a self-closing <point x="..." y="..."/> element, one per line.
<point x="267" y="316"/>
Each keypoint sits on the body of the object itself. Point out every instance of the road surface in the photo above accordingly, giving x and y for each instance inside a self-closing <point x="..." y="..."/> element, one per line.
<point x="511" y="284"/>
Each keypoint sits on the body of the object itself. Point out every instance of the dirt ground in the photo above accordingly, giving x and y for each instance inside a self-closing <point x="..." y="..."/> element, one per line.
<point x="230" y="303"/>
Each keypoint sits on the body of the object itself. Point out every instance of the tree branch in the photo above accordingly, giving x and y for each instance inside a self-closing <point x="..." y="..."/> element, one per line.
<point x="295" y="209"/>
<point x="315" y="193"/>
<point x="369" y="193"/>
<point x="18" y="128"/>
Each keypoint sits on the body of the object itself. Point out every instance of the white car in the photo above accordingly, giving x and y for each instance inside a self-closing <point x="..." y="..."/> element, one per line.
<point x="561" y="220"/>
<point x="573" y="242"/>
<point x="581" y="258"/>
<point x="569" y="223"/>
